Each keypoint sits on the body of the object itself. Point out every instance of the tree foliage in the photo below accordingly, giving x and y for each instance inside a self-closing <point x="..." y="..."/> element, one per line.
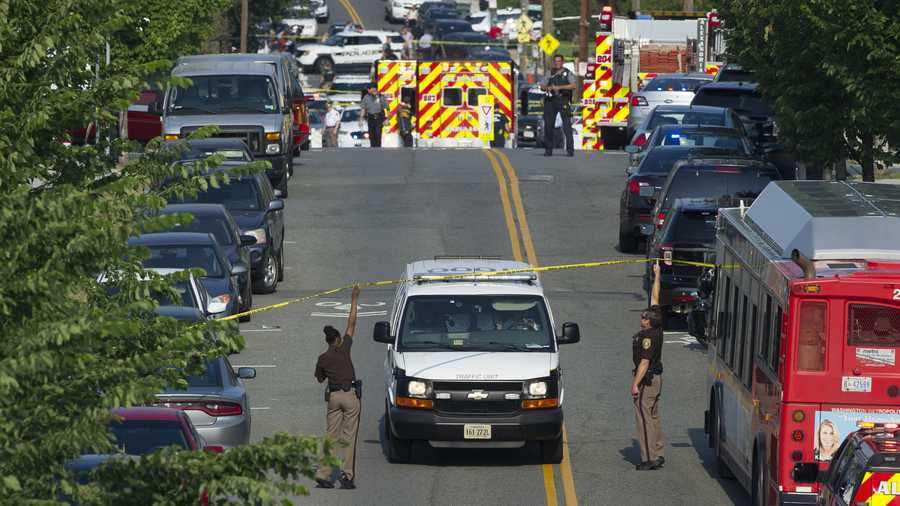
<point x="71" y="351"/>
<point x="832" y="69"/>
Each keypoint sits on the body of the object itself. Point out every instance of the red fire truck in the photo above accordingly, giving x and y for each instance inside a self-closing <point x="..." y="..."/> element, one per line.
<point x="804" y="331"/>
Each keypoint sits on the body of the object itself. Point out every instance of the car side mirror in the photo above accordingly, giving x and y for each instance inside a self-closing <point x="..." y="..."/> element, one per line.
<point x="246" y="373"/>
<point x="382" y="333"/>
<point x="805" y="472"/>
<point x="239" y="269"/>
<point x="248" y="240"/>
<point x="570" y="333"/>
<point x="215" y="308"/>
<point x="632" y="149"/>
<point x="276" y="205"/>
<point x="214" y="448"/>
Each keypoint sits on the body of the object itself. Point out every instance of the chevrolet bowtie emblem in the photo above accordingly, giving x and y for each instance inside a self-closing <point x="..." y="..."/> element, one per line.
<point x="477" y="395"/>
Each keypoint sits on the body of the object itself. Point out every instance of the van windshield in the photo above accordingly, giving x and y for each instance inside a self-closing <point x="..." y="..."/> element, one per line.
<point x="475" y="322"/>
<point x="237" y="94"/>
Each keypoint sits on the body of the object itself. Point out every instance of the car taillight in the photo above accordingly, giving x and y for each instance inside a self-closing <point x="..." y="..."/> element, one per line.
<point x="641" y="140"/>
<point x="637" y="100"/>
<point x="634" y="187"/>
<point x="304" y="128"/>
<point x="666" y="250"/>
<point x="221" y="408"/>
<point x="660" y="219"/>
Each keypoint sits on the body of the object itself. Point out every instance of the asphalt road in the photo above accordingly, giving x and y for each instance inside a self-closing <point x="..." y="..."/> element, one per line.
<point x="361" y="215"/>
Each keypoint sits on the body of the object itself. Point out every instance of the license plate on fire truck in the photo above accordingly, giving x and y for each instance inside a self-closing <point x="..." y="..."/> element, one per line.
<point x="476" y="431"/>
<point x="856" y="384"/>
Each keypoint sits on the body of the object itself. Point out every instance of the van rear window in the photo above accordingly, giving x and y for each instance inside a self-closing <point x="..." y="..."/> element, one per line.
<point x="727" y="185"/>
<point x="872" y="325"/>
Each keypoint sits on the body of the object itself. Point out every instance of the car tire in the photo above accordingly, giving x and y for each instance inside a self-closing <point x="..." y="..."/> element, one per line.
<point x="552" y="450"/>
<point x="248" y="304"/>
<point x="627" y="242"/>
<point x="323" y="63"/>
<point x="721" y="467"/>
<point x="281" y="262"/>
<point x="282" y="186"/>
<point x="304" y="147"/>
<point x="399" y="451"/>
<point x="268" y="282"/>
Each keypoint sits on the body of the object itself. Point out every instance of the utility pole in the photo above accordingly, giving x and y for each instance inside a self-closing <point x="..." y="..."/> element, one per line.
<point x="245" y="20"/>
<point x="546" y="21"/>
<point x="523" y="48"/>
<point x="583" y="26"/>
<point x="688" y="5"/>
<point x="636" y="5"/>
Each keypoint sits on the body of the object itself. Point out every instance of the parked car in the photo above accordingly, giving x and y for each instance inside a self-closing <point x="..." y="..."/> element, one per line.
<point x="725" y="138"/>
<point x="664" y="89"/>
<point x="530" y="131"/>
<point x="259" y="212"/>
<point x="144" y="117"/>
<point x="350" y="83"/>
<point x="216" y="402"/>
<point x="734" y="73"/>
<point x="441" y="28"/>
<point x="398" y="11"/>
<point x="688" y="235"/>
<point x="216" y="220"/>
<point x="192" y="300"/>
<point x="351" y="132"/>
<point x="642" y="184"/>
<point x="727" y="180"/>
<point x="685" y="115"/>
<point x="345" y="50"/>
<point x="245" y="101"/>
<point x="191" y="250"/>
<point x="744" y="98"/>
<point x="461" y="45"/>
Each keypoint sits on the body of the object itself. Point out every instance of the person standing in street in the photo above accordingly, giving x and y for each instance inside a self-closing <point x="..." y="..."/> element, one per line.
<point x="559" y="87"/>
<point x="332" y="123"/>
<point x="408" y="40"/>
<point x="404" y="122"/>
<point x="425" y="45"/>
<point x="646" y="383"/>
<point x="500" y="130"/>
<point x="373" y="112"/>
<point x="342" y="396"/>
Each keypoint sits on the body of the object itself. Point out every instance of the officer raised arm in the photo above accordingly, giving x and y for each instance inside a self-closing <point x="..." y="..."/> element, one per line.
<point x="341" y="395"/>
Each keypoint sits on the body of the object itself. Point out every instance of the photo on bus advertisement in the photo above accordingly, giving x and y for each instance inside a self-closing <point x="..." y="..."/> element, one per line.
<point x="834" y="425"/>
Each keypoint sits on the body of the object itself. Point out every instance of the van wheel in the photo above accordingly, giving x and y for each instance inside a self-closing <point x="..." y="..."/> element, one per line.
<point x="721" y="467"/>
<point x="323" y="64"/>
<point x="552" y="451"/>
<point x="398" y="450"/>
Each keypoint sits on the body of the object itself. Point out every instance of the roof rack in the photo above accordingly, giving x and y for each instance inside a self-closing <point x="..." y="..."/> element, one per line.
<point x="467" y="257"/>
<point x="524" y="277"/>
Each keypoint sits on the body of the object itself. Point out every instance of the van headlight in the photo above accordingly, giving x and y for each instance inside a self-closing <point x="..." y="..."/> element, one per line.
<point x="273" y="149"/>
<point x="537" y="388"/>
<point x="416" y="388"/>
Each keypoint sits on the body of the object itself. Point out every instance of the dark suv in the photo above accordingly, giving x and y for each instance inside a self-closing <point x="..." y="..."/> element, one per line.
<point x="259" y="212"/>
<point x="754" y="110"/>
<point x="727" y="181"/>
<point x="688" y="235"/>
<point x="643" y="182"/>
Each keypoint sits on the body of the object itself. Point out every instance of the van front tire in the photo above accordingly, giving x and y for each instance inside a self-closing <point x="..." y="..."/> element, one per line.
<point x="398" y="450"/>
<point x="552" y="451"/>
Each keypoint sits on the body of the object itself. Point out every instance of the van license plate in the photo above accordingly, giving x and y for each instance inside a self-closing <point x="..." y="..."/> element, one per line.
<point x="476" y="431"/>
<point x="856" y="384"/>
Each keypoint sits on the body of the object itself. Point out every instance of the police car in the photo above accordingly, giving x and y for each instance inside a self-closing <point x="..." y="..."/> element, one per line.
<point x="347" y="50"/>
<point x="472" y="361"/>
<point x="864" y="470"/>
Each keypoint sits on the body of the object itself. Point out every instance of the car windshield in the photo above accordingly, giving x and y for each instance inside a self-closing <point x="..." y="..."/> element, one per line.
<point x="693" y="227"/>
<point x="685" y="118"/>
<point x="742" y="101"/>
<point x="350" y="115"/>
<point x="335" y="40"/>
<point x="674" y="84"/>
<point x="185" y="257"/>
<point x="216" y="225"/>
<point x="237" y="195"/>
<point x="225" y="94"/>
<point x="725" y="184"/>
<point x="140" y="437"/>
<point x="722" y="140"/>
<point x="184" y="292"/>
<point x="476" y="322"/>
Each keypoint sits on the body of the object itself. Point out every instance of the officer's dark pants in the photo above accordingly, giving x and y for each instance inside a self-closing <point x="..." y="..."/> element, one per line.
<point x="407" y="139"/>
<point x="646" y="417"/>
<point x="376" y="122"/>
<point x="499" y="141"/>
<point x="342" y="419"/>
<point x="551" y="108"/>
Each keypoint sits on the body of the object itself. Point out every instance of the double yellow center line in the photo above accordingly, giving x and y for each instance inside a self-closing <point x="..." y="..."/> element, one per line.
<point x="351" y="11"/>
<point x="516" y="226"/>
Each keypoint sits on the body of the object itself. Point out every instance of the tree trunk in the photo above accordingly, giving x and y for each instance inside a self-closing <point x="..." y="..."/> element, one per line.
<point x="868" y="157"/>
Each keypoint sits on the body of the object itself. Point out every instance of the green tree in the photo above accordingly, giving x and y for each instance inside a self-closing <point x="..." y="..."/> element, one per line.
<point x="71" y="351"/>
<point x="832" y="70"/>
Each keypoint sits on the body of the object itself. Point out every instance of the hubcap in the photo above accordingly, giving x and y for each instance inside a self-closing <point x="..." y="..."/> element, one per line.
<point x="270" y="271"/>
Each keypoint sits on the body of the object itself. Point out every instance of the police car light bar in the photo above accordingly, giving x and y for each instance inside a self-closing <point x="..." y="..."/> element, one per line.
<point x="522" y="278"/>
<point x="873" y="425"/>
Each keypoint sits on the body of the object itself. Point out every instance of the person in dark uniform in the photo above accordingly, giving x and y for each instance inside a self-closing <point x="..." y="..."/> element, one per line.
<point x="342" y="396"/>
<point x="559" y="86"/>
<point x="373" y="113"/>
<point x="500" y="130"/>
<point x="404" y="122"/>
<point x="646" y="384"/>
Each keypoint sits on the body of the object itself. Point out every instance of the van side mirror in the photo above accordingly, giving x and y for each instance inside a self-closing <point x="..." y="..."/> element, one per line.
<point x="248" y="240"/>
<point x="382" y="333"/>
<point x="805" y="472"/>
<point x="570" y="333"/>
<point x="276" y="205"/>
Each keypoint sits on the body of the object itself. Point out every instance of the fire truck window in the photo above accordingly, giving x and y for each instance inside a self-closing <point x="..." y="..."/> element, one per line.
<point x="741" y="342"/>
<point x="735" y="317"/>
<point x="872" y="325"/>
<point x="452" y="97"/>
<point x="473" y="94"/>
<point x="748" y="368"/>
<point x="776" y="339"/>
<point x="408" y="95"/>
<point x="812" y="337"/>
<point x="722" y="333"/>
<point x="767" y="330"/>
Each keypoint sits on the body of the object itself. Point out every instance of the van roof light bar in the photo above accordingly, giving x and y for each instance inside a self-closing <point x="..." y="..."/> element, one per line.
<point x="467" y="257"/>
<point x="528" y="277"/>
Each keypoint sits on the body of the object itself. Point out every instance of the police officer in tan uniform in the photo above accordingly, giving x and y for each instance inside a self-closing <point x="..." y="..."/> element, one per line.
<point x="646" y="382"/>
<point x="342" y="395"/>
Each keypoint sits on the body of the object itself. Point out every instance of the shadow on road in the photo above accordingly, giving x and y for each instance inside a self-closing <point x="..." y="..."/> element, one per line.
<point x="732" y="488"/>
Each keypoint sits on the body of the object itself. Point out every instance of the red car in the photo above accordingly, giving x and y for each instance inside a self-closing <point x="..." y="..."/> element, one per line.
<point x="144" y="430"/>
<point x="144" y="120"/>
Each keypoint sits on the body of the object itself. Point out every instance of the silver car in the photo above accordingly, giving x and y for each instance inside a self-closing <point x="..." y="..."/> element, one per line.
<point x="216" y="402"/>
<point x="664" y="89"/>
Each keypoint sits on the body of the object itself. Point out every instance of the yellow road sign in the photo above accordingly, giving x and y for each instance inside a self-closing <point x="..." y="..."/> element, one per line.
<point x="548" y="44"/>
<point x="524" y="24"/>
<point x="486" y="117"/>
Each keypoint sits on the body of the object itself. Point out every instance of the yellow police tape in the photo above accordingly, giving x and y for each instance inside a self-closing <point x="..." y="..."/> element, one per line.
<point x="467" y="275"/>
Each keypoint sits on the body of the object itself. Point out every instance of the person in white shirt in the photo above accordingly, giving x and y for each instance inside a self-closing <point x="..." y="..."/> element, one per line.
<point x="332" y="123"/>
<point x="425" y="45"/>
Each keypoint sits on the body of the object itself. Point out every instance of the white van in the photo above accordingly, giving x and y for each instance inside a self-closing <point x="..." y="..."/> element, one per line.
<point x="472" y="362"/>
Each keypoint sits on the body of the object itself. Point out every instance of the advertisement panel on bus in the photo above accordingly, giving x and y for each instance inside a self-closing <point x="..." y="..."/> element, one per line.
<point x="835" y="423"/>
